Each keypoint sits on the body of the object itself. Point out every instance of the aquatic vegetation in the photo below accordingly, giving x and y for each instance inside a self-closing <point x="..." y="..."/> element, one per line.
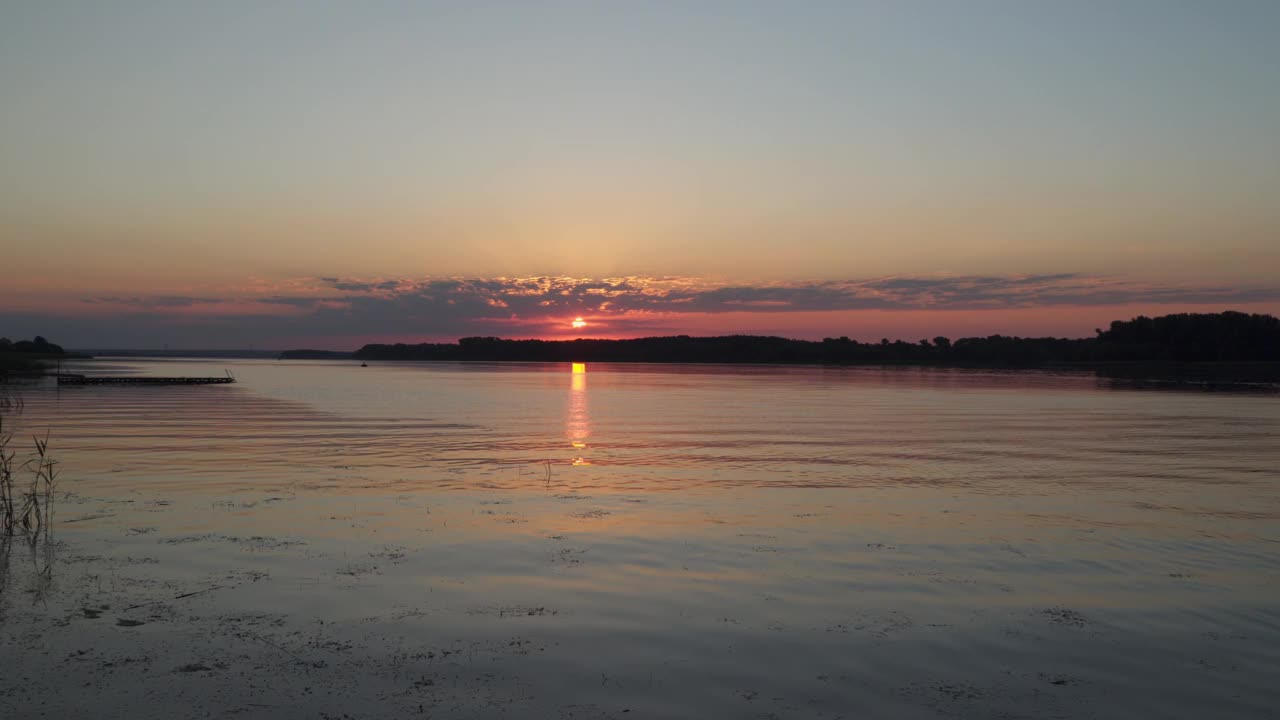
<point x="27" y="510"/>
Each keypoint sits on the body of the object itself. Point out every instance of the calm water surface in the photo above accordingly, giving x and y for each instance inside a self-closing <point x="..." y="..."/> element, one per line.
<point x="527" y="540"/>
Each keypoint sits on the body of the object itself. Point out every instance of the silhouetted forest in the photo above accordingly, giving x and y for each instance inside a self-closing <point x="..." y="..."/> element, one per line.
<point x="1208" y="337"/>
<point x="36" y="345"/>
<point x="1216" y="337"/>
<point x="26" y="356"/>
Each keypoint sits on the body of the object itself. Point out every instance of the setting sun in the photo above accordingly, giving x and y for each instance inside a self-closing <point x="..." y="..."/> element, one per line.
<point x="578" y="323"/>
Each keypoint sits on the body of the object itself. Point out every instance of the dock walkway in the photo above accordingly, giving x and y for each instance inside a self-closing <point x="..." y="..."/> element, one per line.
<point x="66" y="379"/>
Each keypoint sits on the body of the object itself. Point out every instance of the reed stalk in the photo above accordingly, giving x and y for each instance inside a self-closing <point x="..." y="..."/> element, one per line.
<point x="8" y="506"/>
<point x="28" y="510"/>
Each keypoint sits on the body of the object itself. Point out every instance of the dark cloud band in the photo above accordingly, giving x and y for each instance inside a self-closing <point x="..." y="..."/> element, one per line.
<point x="444" y="307"/>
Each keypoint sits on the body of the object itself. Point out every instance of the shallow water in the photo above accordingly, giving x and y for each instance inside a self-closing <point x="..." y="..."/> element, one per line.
<point x="523" y="540"/>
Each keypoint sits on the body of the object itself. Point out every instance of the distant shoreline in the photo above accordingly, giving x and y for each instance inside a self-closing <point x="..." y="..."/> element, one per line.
<point x="1228" y="347"/>
<point x="1188" y="348"/>
<point x="1229" y="337"/>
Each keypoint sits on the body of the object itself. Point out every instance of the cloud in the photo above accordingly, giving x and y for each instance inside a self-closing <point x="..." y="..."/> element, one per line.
<point x="449" y="307"/>
<point x="538" y="296"/>
<point x="531" y="298"/>
<point x="634" y="303"/>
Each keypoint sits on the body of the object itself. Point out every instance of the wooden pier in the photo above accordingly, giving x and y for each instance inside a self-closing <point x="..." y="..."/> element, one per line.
<point x="66" y="379"/>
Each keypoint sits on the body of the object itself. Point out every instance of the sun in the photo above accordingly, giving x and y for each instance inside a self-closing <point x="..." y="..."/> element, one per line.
<point x="578" y="323"/>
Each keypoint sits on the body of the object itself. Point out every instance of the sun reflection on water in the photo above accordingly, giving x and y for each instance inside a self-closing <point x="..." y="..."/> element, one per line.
<point x="577" y="421"/>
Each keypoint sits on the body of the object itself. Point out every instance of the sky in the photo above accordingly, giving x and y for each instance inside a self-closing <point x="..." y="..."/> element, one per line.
<point x="325" y="174"/>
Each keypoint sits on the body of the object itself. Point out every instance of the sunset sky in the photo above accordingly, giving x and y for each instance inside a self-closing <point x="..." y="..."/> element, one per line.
<point x="324" y="174"/>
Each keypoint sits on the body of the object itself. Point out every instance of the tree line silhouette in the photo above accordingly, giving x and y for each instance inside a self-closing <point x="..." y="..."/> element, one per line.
<point x="25" y="356"/>
<point x="1209" y="337"/>
<point x="36" y="345"/>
